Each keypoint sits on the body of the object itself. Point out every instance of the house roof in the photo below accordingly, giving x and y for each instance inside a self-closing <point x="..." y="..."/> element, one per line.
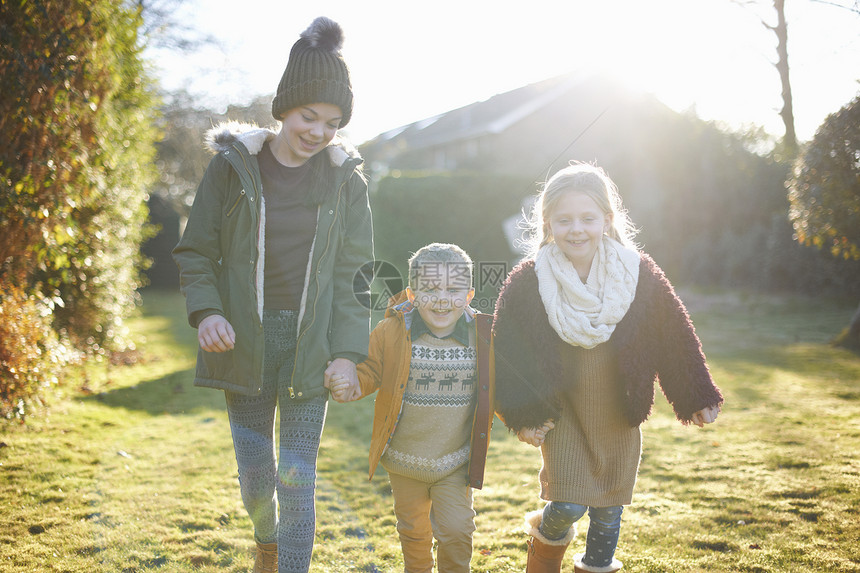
<point x="490" y="116"/>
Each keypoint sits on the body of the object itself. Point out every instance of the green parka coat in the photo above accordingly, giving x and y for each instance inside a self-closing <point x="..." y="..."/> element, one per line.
<point x="221" y="256"/>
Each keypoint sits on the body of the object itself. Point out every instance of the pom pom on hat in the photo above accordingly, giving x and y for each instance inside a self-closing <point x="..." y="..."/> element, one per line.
<point x="316" y="72"/>
<point x="324" y="34"/>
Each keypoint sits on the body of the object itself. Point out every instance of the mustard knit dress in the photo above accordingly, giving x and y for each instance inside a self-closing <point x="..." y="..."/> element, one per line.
<point x="592" y="455"/>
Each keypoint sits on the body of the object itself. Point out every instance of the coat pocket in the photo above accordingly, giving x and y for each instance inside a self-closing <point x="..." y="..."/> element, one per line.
<point x="215" y="366"/>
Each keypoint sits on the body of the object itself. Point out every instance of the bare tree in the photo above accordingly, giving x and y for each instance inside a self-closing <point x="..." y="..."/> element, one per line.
<point x="163" y="29"/>
<point x="780" y="30"/>
<point x="787" y="112"/>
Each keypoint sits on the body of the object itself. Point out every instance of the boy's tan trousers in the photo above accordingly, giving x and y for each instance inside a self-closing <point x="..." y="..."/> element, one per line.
<point x="442" y="510"/>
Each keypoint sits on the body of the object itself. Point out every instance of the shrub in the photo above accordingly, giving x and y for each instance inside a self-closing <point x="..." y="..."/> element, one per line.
<point x="76" y="159"/>
<point x="31" y="356"/>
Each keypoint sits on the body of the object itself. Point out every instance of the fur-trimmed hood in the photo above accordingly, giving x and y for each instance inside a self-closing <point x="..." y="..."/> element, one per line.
<point x="221" y="137"/>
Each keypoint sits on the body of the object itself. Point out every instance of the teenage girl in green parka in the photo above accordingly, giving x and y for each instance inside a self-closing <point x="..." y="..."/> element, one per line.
<point x="279" y="227"/>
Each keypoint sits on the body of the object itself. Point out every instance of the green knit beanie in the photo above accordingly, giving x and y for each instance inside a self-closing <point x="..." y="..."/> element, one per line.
<point x="316" y="72"/>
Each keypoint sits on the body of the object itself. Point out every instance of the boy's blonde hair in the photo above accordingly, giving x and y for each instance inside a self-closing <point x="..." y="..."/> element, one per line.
<point x="593" y="182"/>
<point x="444" y="256"/>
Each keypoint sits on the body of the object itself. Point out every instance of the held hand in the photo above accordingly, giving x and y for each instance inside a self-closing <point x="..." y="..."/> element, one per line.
<point x="342" y="372"/>
<point x="338" y="385"/>
<point x="706" y="416"/>
<point x="535" y="436"/>
<point x="215" y="334"/>
<point x="328" y="380"/>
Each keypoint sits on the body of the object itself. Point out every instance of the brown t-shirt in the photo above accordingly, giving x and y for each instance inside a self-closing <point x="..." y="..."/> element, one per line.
<point x="290" y="228"/>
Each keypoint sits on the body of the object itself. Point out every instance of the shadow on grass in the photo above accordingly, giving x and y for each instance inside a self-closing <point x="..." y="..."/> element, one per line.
<point x="170" y="306"/>
<point x="173" y="393"/>
<point x="347" y="425"/>
<point x="835" y="370"/>
<point x="170" y="341"/>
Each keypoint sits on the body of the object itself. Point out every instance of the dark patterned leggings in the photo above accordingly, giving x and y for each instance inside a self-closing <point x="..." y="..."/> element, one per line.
<point x="603" y="529"/>
<point x="278" y="491"/>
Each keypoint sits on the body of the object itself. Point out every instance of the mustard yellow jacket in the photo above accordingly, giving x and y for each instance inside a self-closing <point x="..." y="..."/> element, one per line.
<point x="386" y="371"/>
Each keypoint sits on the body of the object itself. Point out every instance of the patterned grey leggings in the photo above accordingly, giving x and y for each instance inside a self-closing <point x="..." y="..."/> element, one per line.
<point x="286" y="481"/>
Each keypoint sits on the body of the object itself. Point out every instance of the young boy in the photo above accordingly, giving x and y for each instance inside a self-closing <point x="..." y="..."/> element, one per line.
<point x="429" y="358"/>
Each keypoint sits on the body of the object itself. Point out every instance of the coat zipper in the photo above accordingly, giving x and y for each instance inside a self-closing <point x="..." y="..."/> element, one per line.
<point x="316" y="280"/>
<point x="236" y="204"/>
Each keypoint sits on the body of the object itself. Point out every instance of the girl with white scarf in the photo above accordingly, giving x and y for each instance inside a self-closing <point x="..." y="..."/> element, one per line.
<point x="612" y="324"/>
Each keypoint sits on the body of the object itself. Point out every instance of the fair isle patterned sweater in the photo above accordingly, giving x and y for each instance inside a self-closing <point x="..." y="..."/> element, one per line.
<point x="434" y="429"/>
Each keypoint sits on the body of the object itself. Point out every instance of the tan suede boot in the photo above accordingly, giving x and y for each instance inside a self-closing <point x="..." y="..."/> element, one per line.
<point x="580" y="567"/>
<point x="545" y="555"/>
<point x="267" y="558"/>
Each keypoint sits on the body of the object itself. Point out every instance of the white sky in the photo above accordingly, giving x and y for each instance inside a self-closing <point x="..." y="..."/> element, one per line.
<point x="410" y="60"/>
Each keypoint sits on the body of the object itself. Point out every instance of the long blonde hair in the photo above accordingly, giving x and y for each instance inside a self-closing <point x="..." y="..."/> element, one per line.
<point x="593" y="182"/>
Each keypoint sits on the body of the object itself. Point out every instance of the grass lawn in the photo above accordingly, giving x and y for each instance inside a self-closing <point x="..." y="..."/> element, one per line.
<point x="131" y="469"/>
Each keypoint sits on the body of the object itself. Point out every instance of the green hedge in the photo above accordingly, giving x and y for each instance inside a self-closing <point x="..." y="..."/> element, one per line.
<point x="411" y="210"/>
<point x="76" y="160"/>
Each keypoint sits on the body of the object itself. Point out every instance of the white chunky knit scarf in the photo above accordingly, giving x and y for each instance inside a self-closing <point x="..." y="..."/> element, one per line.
<point x="585" y="314"/>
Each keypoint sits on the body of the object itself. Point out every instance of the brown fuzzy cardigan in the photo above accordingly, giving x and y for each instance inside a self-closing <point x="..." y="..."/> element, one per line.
<point x="654" y="340"/>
